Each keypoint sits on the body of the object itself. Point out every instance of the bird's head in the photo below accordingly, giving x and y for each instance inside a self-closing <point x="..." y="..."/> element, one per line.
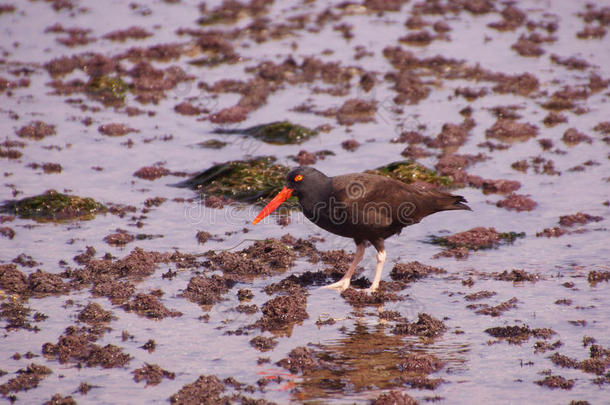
<point x="303" y="179"/>
<point x="298" y="181"/>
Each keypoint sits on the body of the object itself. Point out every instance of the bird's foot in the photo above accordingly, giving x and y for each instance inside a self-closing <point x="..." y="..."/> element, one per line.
<point x="371" y="289"/>
<point x="340" y="285"/>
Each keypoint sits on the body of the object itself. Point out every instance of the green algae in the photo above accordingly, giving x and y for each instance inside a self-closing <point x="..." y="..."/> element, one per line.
<point x="211" y="60"/>
<point x="259" y="179"/>
<point x="54" y="206"/>
<point x="277" y="133"/>
<point x="109" y="90"/>
<point x="212" y="144"/>
<point x="215" y="18"/>
<point x="255" y="181"/>
<point x="408" y="171"/>
<point x="510" y="237"/>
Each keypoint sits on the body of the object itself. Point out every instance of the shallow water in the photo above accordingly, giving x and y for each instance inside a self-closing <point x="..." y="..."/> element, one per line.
<point x="474" y="372"/>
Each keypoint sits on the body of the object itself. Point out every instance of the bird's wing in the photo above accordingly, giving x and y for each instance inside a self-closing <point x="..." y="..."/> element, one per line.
<point x="368" y="199"/>
<point x="382" y="201"/>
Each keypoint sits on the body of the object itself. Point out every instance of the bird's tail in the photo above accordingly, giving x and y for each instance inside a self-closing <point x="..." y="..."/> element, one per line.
<point x="446" y="202"/>
<point x="458" y="203"/>
<point x="428" y="202"/>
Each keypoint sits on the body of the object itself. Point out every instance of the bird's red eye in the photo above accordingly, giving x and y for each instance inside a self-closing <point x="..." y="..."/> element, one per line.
<point x="298" y="177"/>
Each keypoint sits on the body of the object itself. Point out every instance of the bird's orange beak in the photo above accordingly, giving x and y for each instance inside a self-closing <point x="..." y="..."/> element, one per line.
<point x="273" y="204"/>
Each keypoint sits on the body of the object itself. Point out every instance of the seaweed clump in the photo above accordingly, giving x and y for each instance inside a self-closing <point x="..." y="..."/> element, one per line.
<point x="479" y="238"/>
<point x="54" y="206"/>
<point x="26" y="379"/>
<point x="409" y="171"/>
<point x="518" y="334"/>
<point x="108" y="90"/>
<point x="255" y="181"/>
<point x="278" y="133"/>
<point x="259" y="179"/>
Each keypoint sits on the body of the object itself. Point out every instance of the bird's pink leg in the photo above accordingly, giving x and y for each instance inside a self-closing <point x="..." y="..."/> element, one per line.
<point x="380" y="262"/>
<point x="343" y="284"/>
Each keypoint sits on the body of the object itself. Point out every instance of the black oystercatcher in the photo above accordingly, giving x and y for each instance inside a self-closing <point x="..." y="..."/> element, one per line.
<point x="361" y="206"/>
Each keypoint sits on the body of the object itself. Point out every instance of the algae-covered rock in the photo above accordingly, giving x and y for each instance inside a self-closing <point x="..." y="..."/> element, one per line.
<point x="54" y="206"/>
<point x="256" y="180"/>
<point x="259" y="179"/>
<point x="409" y="171"/>
<point x="36" y="130"/>
<point x="212" y="144"/>
<point x="477" y="238"/>
<point x="278" y="133"/>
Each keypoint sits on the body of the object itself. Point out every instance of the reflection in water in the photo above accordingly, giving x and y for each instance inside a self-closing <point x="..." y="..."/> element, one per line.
<point x="370" y="358"/>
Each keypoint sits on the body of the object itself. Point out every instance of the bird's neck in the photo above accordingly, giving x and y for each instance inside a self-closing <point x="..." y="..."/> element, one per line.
<point x="316" y="198"/>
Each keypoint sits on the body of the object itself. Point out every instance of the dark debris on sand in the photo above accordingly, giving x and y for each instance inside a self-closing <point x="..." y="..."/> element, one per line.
<point x="480" y="295"/>
<point x="115" y="278"/>
<point x="263" y="343"/>
<point x="151" y="172"/>
<point x="263" y="258"/>
<point x="580" y="218"/>
<point x="519" y="334"/>
<point x="152" y="374"/>
<point x="207" y="290"/>
<point x="115" y="129"/>
<point x="37" y="284"/>
<point x="149" y="306"/>
<point x="598" y="362"/>
<point x="295" y="283"/>
<point x="17" y="315"/>
<point x="358" y="298"/>
<point x="301" y="360"/>
<point x="93" y="314"/>
<point x="280" y="313"/>
<point x="459" y="244"/>
<point x="517" y="202"/>
<point x="516" y="276"/>
<point x="76" y="346"/>
<point x="556" y="381"/>
<point x="413" y="362"/>
<point x="413" y="271"/>
<point x="209" y="389"/>
<point x="136" y="265"/>
<point x="426" y="326"/>
<point x="496" y="310"/>
<point x="36" y="130"/>
<point x="84" y="257"/>
<point x="26" y="379"/>
<point x="511" y="130"/>
<point x="595" y="276"/>
<point x="57" y="399"/>
<point x="473" y="239"/>
<point x="119" y="238"/>
<point x="394" y="398"/>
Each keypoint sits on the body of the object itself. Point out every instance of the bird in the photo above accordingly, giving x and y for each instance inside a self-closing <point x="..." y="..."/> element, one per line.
<point x="362" y="206"/>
